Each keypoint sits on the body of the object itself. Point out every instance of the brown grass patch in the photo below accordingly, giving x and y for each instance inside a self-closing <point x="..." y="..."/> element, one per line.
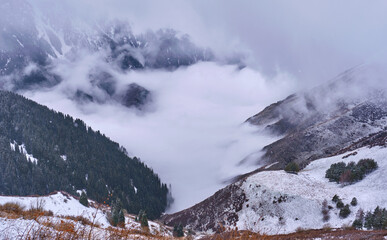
<point x="12" y="207"/>
<point x="304" y="234"/>
<point x="82" y="220"/>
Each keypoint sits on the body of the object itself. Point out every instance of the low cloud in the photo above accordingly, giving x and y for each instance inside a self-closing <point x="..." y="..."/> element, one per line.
<point x="193" y="136"/>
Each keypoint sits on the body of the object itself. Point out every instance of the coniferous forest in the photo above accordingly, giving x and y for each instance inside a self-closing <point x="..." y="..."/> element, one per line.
<point x="70" y="157"/>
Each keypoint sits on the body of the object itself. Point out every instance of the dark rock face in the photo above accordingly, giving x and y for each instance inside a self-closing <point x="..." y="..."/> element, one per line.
<point x="104" y="81"/>
<point x="216" y="211"/>
<point x="136" y="96"/>
<point x="83" y="97"/>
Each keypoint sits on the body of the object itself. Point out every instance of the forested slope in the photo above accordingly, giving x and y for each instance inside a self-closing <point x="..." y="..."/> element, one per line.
<point x="43" y="151"/>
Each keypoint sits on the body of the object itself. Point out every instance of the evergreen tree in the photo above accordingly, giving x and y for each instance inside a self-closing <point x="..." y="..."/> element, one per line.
<point x="357" y="224"/>
<point x="116" y="209"/>
<point x="335" y="198"/>
<point x="378" y="218"/>
<point x="121" y="218"/>
<point x="83" y="199"/>
<point x="345" y="211"/>
<point x="142" y="218"/>
<point x="292" y="167"/>
<point x="339" y="204"/>
<point x="114" y="217"/>
<point x="178" y="230"/>
<point x="354" y="201"/>
<point x="368" y="221"/>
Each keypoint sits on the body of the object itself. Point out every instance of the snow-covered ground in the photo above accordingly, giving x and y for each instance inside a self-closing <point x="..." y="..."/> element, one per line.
<point x="63" y="204"/>
<point x="279" y="202"/>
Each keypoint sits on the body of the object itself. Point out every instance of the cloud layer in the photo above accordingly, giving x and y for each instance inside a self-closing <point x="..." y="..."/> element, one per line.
<point x="312" y="40"/>
<point x="192" y="135"/>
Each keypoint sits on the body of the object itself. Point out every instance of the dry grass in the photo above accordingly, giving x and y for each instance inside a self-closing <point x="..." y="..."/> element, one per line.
<point x="12" y="207"/>
<point x="44" y="226"/>
<point x="15" y="210"/>
<point x="82" y="220"/>
<point x="303" y="234"/>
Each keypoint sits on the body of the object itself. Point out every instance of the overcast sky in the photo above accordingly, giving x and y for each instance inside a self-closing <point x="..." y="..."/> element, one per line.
<point x="312" y="40"/>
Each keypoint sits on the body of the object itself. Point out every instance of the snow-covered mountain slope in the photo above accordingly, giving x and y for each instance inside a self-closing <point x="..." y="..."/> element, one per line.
<point x="275" y="202"/>
<point x="65" y="221"/>
<point x="279" y="202"/>
<point x="326" y="119"/>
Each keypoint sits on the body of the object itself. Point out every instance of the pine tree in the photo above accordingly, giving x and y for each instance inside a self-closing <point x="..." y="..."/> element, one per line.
<point x="83" y="199"/>
<point x="378" y="218"/>
<point x="354" y="201"/>
<point x="178" y="230"/>
<point x="357" y="224"/>
<point x="345" y="211"/>
<point x="368" y="221"/>
<point x="335" y="198"/>
<point x="121" y="218"/>
<point x="114" y="214"/>
<point x="144" y="220"/>
<point x="115" y="211"/>
<point x="339" y="204"/>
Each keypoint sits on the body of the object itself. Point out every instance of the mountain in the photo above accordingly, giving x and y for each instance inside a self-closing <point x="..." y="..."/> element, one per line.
<point x="42" y="151"/>
<point x="276" y="202"/>
<point x="329" y="124"/>
<point x="33" y="43"/>
<point x="320" y="122"/>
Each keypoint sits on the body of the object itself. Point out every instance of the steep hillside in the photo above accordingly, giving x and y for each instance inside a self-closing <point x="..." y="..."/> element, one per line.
<point x="276" y="202"/>
<point x="324" y="120"/>
<point x="42" y="151"/>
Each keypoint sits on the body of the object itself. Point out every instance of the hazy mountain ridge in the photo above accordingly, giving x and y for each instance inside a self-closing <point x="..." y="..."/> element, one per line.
<point x="33" y="43"/>
<point x="321" y="122"/>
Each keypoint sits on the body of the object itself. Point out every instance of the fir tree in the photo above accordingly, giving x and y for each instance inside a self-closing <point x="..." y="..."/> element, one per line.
<point x="335" y="198"/>
<point x="339" y="204"/>
<point x="83" y="199"/>
<point x="178" y="230"/>
<point x="368" y="221"/>
<point x="142" y="218"/>
<point x="345" y="211"/>
<point x="354" y="201"/>
<point x="121" y="218"/>
<point x="357" y="224"/>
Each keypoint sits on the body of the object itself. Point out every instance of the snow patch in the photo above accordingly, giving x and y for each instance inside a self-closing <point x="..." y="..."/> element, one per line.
<point x="270" y="165"/>
<point x="63" y="204"/>
<point x="23" y="150"/>
<point x="21" y="44"/>
<point x="279" y="202"/>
